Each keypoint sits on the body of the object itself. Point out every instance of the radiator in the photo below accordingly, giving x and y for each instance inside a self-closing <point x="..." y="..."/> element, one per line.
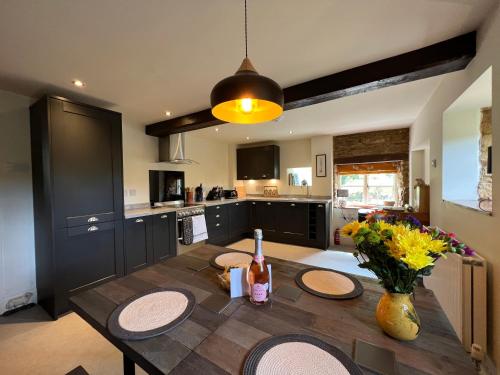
<point x="459" y="284"/>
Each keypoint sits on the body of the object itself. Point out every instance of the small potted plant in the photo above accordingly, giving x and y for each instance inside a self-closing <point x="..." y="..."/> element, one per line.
<point x="398" y="252"/>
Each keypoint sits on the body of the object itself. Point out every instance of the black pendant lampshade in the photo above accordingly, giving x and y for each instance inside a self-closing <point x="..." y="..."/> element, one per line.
<point x="246" y="97"/>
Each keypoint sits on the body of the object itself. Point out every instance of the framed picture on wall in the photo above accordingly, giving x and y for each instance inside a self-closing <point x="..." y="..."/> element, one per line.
<point x="321" y="165"/>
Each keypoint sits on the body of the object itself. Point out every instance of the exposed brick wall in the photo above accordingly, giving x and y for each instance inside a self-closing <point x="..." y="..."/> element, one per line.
<point x="384" y="145"/>
<point x="484" y="188"/>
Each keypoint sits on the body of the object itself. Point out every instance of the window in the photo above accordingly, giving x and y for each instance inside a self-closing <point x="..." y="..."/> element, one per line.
<point x="297" y="176"/>
<point x="371" y="189"/>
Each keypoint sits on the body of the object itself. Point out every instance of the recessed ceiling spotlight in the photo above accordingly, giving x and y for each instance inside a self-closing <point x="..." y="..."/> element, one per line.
<point x="78" y="83"/>
<point x="248" y="138"/>
<point x="290" y="132"/>
<point x="216" y="129"/>
<point x="168" y="113"/>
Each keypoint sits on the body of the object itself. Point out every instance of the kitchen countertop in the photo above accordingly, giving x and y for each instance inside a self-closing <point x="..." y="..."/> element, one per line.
<point x="218" y="343"/>
<point x="148" y="211"/>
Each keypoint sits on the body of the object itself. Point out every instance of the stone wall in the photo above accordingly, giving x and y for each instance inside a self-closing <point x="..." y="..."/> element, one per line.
<point x="377" y="146"/>
<point x="484" y="188"/>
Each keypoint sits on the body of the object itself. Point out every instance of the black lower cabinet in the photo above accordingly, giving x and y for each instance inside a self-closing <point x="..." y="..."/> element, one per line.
<point x="217" y="218"/>
<point x="239" y="220"/>
<point x="138" y="243"/>
<point x="304" y="224"/>
<point x="164" y="236"/>
<point x="266" y="219"/>
<point x="292" y="219"/>
<point x="85" y="256"/>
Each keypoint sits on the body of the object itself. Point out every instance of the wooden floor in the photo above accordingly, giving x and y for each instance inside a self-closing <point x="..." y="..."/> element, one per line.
<point x="212" y="343"/>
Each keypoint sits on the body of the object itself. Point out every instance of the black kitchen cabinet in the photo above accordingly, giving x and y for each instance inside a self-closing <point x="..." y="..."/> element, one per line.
<point x="292" y="221"/>
<point x="239" y="220"/>
<point x="297" y="223"/>
<point x="217" y="224"/>
<point x="266" y="218"/>
<point x="85" y="256"/>
<point x="164" y="236"/>
<point x="319" y="224"/>
<point x="138" y="243"/>
<point x="78" y="198"/>
<point x="258" y="163"/>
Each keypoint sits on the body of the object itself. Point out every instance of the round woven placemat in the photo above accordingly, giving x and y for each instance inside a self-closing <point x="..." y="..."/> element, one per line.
<point x="327" y="283"/>
<point x="151" y="313"/>
<point x="232" y="258"/>
<point x="297" y="354"/>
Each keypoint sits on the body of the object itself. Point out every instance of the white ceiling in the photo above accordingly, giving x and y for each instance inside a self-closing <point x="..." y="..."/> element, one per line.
<point x="145" y="57"/>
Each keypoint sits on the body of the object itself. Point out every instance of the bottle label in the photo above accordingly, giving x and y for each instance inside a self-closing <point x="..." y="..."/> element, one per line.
<point x="259" y="292"/>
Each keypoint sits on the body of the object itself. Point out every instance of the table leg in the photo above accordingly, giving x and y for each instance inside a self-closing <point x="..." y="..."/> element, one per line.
<point x="128" y="366"/>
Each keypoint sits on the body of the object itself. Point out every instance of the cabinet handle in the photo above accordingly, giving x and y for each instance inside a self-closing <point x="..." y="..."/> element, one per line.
<point x="263" y="175"/>
<point x="254" y="203"/>
<point x="218" y="207"/>
<point x="217" y="225"/>
<point x="293" y="204"/>
<point x="93" y="228"/>
<point x="268" y="203"/>
<point x="237" y="204"/>
<point x="163" y="217"/>
<point x="139" y="220"/>
<point x="245" y="176"/>
<point x="92" y="219"/>
<point x="217" y="215"/>
<point x="320" y="205"/>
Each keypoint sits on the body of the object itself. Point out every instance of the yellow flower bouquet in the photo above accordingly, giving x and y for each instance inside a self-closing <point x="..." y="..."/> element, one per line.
<point x="396" y="253"/>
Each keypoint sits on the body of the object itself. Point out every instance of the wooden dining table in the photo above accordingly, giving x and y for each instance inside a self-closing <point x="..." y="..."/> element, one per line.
<point x="213" y="342"/>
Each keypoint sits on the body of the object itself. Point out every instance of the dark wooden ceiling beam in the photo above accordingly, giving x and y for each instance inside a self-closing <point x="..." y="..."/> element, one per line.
<point x="444" y="57"/>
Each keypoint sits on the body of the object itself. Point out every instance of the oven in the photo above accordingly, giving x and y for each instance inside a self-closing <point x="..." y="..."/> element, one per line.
<point x="181" y="214"/>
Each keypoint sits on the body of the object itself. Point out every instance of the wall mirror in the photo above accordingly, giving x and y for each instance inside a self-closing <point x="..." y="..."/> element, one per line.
<point x="467" y="147"/>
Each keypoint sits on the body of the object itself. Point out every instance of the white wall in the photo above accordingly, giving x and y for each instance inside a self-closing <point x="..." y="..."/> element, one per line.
<point x="322" y="145"/>
<point x="17" y="254"/>
<point x="461" y="154"/>
<point x="140" y="154"/>
<point x="477" y="229"/>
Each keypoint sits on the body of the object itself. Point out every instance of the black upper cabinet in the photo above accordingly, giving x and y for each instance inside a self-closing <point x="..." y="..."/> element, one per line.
<point x="258" y="163"/>
<point x="76" y="153"/>
<point x="164" y="236"/>
<point x="138" y="243"/>
<point x="86" y="163"/>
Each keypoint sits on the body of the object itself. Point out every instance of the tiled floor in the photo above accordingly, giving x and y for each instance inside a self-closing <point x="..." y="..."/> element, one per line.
<point x="32" y="343"/>
<point x="340" y="260"/>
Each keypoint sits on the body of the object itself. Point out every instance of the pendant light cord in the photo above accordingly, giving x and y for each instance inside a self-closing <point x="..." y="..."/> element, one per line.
<point x="246" y="31"/>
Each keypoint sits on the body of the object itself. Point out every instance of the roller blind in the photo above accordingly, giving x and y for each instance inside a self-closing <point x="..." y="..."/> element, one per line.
<point x="368" y="168"/>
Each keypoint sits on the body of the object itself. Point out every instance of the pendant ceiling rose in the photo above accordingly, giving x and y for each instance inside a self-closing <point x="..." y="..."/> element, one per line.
<point x="247" y="97"/>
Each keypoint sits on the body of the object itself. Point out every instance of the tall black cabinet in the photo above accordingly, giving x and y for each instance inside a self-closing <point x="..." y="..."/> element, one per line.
<point x="78" y="198"/>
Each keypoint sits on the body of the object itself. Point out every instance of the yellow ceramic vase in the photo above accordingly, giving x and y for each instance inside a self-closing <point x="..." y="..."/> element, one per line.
<point x="397" y="317"/>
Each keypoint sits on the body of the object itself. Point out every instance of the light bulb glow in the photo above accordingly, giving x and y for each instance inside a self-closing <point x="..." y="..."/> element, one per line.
<point x="247" y="105"/>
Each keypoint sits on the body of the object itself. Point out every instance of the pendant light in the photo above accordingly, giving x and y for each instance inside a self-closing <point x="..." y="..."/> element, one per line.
<point x="246" y="97"/>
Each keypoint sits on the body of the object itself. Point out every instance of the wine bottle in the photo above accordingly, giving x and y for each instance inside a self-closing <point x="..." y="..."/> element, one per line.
<point x="258" y="274"/>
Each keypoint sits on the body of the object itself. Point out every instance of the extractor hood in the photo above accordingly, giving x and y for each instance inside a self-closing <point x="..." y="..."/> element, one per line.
<point x="171" y="149"/>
